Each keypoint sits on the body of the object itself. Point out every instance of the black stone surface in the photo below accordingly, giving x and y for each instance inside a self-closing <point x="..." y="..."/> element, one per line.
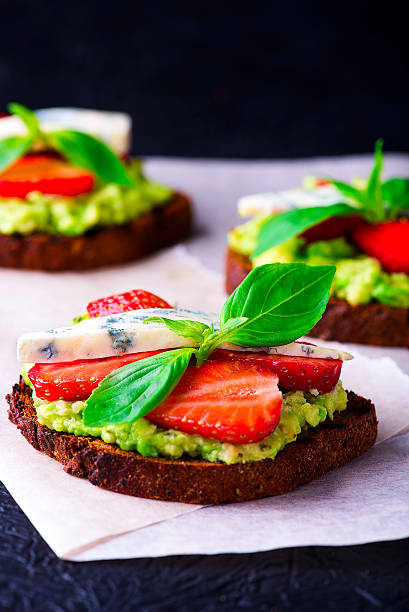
<point x="370" y="577"/>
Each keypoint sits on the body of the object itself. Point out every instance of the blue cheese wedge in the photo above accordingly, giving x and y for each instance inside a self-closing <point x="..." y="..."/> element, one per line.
<point x="116" y="334"/>
<point x="123" y="333"/>
<point x="294" y="349"/>
<point x="265" y="204"/>
<point x="112" y="128"/>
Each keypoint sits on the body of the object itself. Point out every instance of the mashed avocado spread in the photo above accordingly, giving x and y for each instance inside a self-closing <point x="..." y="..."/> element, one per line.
<point x="299" y="411"/>
<point x="108" y="204"/>
<point x="358" y="279"/>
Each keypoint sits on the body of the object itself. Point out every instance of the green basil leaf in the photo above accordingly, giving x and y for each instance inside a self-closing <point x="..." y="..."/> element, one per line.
<point x="281" y="302"/>
<point x="185" y="328"/>
<point x="395" y="192"/>
<point x="202" y="333"/>
<point x="132" y="391"/>
<point x="12" y="148"/>
<point x="371" y="200"/>
<point x="374" y="209"/>
<point x="228" y="326"/>
<point x="212" y="339"/>
<point x="89" y="153"/>
<point x="374" y="186"/>
<point x="27" y="117"/>
<point x="282" y="227"/>
<point x="79" y="318"/>
<point x="349" y="191"/>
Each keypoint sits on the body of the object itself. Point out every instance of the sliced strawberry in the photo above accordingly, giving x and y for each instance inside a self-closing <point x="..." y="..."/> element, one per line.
<point x="294" y="373"/>
<point x="122" y="302"/>
<point x="77" y="379"/>
<point x="387" y="242"/>
<point x="230" y="400"/>
<point x="331" y="228"/>
<point x="45" y="173"/>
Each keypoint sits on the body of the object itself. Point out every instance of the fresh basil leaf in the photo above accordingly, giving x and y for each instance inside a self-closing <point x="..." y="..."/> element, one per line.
<point x="91" y="154"/>
<point x="373" y="200"/>
<point x="12" y="148"/>
<point x="282" y="227"/>
<point x="373" y="208"/>
<point x="395" y="192"/>
<point x="27" y="117"/>
<point x="212" y="339"/>
<point x="281" y="302"/>
<point x="349" y="191"/>
<point x="228" y="326"/>
<point x="79" y="318"/>
<point x="374" y="186"/>
<point x="134" y="390"/>
<point x="202" y="333"/>
<point x="185" y="328"/>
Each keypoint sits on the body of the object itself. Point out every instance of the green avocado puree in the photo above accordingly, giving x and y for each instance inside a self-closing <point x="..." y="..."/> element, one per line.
<point x="358" y="279"/>
<point x="108" y="204"/>
<point x="299" y="410"/>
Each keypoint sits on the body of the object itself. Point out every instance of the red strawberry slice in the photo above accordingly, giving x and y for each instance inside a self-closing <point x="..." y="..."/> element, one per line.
<point x="76" y="380"/>
<point x="230" y="400"/>
<point x="331" y="228"/>
<point x="45" y="173"/>
<point x="294" y="373"/>
<point x="387" y="242"/>
<point x="123" y="302"/>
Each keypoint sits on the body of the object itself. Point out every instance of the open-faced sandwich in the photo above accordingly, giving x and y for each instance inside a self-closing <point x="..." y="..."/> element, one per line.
<point x="72" y="199"/>
<point x="159" y="402"/>
<point x="363" y="229"/>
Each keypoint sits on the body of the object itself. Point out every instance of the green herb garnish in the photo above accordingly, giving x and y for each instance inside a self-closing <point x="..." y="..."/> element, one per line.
<point x="279" y="307"/>
<point x="282" y="227"/>
<point x="87" y="152"/>
<point x="80" y="149"/>
<point x="375" y="203"/>
<point x="132" y="391"/>
<point x="13" y="147"/>
<point x="275" y="305"/>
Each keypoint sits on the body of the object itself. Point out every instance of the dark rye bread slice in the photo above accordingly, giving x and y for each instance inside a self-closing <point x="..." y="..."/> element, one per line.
<point x="195" y="481"/>
<point x="97" y="248"/>
<point x="372" y="323"/>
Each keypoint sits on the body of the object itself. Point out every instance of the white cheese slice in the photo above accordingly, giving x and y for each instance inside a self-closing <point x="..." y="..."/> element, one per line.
<point x="295" y="349"/>
<point x="126" y="333"/>
<point x="111" y="127"/>
<point x="116" y="334"/>
<point x="266" y="204"/>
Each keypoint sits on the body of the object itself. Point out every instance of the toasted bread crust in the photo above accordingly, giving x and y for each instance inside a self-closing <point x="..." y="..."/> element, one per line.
<point x="97" y="248"/>
<point x="372" y="323"/>
<point x="316" y="451"/>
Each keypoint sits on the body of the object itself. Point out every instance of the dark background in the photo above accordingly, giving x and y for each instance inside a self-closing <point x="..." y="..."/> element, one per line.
<point x="254" y="79"/>
<point x="366" y="578"/>
<point x="261" y="79"/>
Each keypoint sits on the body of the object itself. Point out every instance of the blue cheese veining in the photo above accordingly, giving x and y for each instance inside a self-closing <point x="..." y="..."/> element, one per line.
<point x="124" y="333"/>
<point x="265" y="204"/>
<point x="107" y="336"/>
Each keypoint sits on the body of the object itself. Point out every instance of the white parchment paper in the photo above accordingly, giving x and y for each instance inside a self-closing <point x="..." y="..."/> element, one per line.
<point x="364" y="501"/>
<point x="70" y="513"/>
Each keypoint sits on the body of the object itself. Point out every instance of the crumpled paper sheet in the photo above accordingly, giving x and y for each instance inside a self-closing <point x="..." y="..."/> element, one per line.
<point x="364" y="501"/>
<point x="70" y="513"/>
<point x="367" y="500"/>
